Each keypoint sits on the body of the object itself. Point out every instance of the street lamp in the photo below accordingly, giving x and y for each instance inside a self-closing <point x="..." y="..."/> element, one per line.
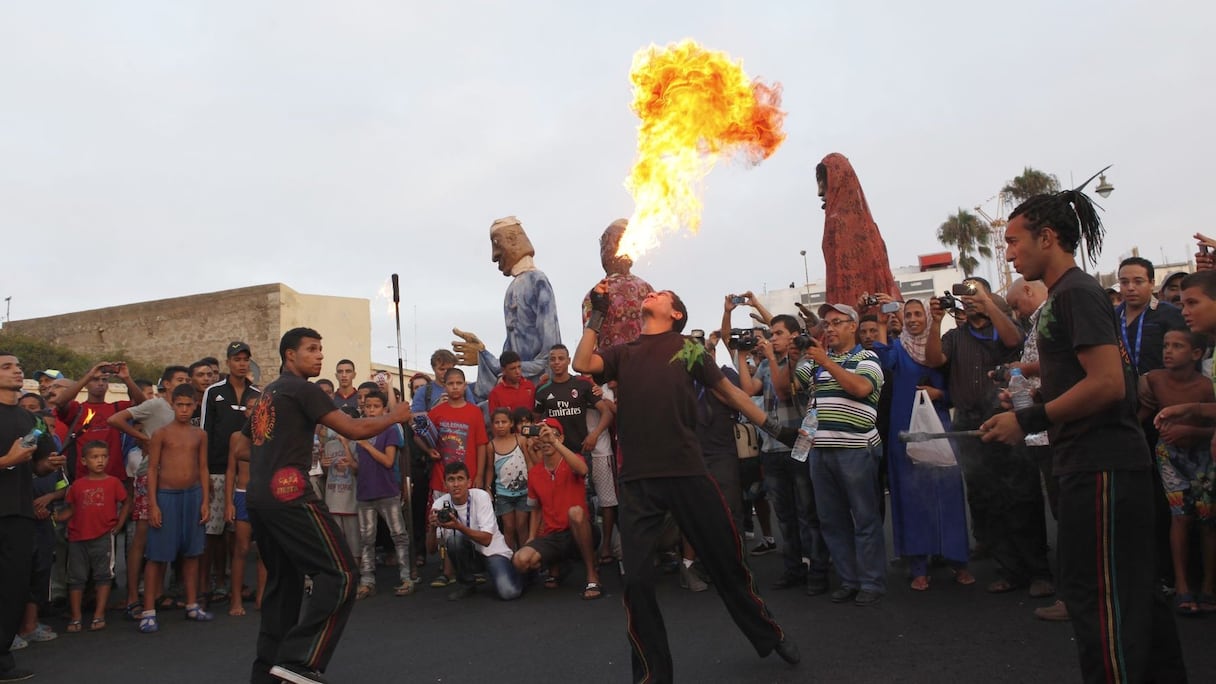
<point x="1104" y="188"/>
<point x="806" y="271"/>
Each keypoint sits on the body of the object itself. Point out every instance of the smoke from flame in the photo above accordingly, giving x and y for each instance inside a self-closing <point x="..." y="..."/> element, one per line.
<point x="696" y="106"/>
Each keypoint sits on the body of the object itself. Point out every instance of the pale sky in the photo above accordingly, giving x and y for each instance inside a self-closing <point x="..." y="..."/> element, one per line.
<point x="159" y="149"/>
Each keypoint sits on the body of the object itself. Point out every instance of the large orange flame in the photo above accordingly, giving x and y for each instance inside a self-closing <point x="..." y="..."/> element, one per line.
<point x="696" y="106"/>
<point x="88" y="418"/>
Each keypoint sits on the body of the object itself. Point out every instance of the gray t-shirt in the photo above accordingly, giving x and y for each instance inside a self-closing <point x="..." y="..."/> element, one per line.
<point x="340" y="479"/>
<point x="152" y="415"/>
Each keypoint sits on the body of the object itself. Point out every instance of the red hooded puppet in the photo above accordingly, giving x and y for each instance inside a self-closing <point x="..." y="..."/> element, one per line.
<point x="853" y="249"/>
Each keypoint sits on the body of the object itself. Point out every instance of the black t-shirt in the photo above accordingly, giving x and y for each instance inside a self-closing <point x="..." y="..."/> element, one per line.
<point x="17" y="482"/>
<point x="657" y="404"/>
<point x="567" y="402"/>
<point x="281" y="429"/>
<point x="715" y="420"/>
<point x="1145" y="335"/>
<point x="972" y="353"/>
<point x="1078" y="315"/>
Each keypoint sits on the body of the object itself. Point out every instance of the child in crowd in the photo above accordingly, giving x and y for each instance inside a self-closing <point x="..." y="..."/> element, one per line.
<point x="178" y="505"/>
<point x="510" y="478"/>
<point x="96" y="510"/>
<point x="379" y="496"/>
<point x="1185" y="462"/>
<point x="234" y="485"/>
<point x="341" y="469"/>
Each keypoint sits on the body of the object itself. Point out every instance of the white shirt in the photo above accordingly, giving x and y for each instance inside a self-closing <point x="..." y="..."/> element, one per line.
<point x="481" y="518"/>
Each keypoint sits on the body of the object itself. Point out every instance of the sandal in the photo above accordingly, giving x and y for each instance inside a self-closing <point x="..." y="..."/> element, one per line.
<point x="920" y="583"/>
<point x="133" y="611"/>
<point x="74" y="626"/>
<point x="218" y="596"/>
<point x="148" y="622"/>
<point x="1002" y="586"/>
<point x="365" y="590"/>
<point x="97" y="624"/>
<point x="198" y="614"/>
<point x="404" y="589"/>
<point x="551" y="581"/>
<point x="1184" y="604"/>
<point x="441" y="582"/>
<point x="593" y="591"/>
<point x="964" y="577"/>
<point x="1207" y="603"/>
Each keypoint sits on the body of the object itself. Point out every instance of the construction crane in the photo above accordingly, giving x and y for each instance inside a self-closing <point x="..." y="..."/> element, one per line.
<point x="997" y="228"/>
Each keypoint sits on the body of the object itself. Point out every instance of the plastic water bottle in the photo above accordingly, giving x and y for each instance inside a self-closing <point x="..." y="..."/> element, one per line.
<point x="1019" y="390"/>
<point x="806" y="435"/>
<point x="31" y="438"/>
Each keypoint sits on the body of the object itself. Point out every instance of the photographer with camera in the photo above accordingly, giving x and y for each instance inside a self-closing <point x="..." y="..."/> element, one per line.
<point x="787" y="480"/>
<point x="468" y="531"/>
<point x="560" y="526"/>
<point x="1003" y="487"/>
<point x="844" y="461"/>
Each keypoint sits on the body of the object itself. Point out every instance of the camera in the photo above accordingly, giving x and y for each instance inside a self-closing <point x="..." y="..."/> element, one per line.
<point x="529" y="430"/>
<point x="742" y="339"/>
<point x="1000" y="374"/>
<point x="868" y="301"/>
<point x="109" y="368"/>
<point x="949" y="303"/>
<point x="803" y="341"/>
<point x="738" y="299"/>
<point x="445" y="514"/>
<point x="890" y="308"/>
<point x="698" y="335"/>
<point x="963" y="289"/>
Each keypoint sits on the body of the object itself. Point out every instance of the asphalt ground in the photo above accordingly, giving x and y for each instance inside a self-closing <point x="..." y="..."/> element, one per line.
<point x="951" y="633"/>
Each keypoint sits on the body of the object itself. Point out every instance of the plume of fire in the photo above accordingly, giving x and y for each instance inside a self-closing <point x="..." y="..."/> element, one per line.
<point x="88" y="418"/>
<point x="696" y="106"/>
<point x="386" y="293"/>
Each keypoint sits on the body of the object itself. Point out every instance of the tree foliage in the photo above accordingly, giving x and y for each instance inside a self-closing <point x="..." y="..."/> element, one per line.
<point x="36" y="355"/>
<point x="968" y="233"/>
<point x="1032" y="182"/>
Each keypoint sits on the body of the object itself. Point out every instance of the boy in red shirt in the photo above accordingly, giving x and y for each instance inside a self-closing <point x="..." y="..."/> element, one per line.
<point x="462" y="435"/>
<point x="559" y="527"/>
<point x="97" y="508"/>
<point x="514" y="391"/>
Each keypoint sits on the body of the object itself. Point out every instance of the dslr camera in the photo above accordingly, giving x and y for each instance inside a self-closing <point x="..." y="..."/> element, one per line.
<point x="445" y="514"/>
<point x="742" y="339"/>
<point x="868" y="301"/>
<point x="802" y="341"/>
<point x="950" y="303"/>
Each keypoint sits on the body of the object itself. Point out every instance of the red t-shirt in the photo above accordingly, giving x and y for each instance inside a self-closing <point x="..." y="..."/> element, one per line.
<point x="462" y="431"/>
<point x="97" y="430"/>
<point x="95" y="505"/>
<point x="556" y="492"/>
<point x="503" y="395"/>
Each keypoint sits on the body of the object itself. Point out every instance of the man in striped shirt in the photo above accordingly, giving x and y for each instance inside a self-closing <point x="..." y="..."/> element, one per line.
<point x="845" y="380"/>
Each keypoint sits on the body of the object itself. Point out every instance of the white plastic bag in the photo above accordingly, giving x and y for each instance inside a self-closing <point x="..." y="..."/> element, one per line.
<point x="934" y="452"/>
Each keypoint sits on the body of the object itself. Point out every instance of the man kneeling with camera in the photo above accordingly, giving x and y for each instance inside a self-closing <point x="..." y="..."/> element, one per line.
<point x="468" y="532"/>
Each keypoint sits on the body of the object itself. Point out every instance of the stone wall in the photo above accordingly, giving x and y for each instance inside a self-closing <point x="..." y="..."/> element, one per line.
<point x="185" y="329"/>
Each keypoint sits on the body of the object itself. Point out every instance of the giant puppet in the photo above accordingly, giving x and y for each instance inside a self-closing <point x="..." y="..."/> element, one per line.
<point x="854" y="252"/>
<point x="623" y="321"/>
<point x="529" y="310"/>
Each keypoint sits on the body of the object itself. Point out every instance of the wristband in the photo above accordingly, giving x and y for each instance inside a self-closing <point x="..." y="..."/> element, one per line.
<point x="595" y="320"/>
<point x="1033" y="419"/>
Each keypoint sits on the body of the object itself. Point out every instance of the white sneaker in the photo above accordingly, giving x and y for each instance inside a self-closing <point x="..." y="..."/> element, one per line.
<point x="18" y="643"/>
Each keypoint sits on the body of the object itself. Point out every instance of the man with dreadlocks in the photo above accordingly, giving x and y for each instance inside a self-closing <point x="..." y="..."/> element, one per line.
<point x="1124" y="629"/>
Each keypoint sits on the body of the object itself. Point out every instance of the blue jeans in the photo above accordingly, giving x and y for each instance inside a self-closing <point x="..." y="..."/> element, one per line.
<point x="468" y="561"/>
<point x="793" y="499"/>
<point x="847" y="495"/>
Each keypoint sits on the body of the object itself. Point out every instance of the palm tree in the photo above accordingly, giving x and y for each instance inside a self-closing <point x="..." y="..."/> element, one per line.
<point x="1032" y="182"/>
<point x="970" y="234"/>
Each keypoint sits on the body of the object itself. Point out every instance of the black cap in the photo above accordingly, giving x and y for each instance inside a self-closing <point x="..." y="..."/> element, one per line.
<point x="235" y="348"/>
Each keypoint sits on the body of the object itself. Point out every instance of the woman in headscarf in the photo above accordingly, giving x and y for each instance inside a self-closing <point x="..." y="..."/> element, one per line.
<point x="928" y="506"/>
